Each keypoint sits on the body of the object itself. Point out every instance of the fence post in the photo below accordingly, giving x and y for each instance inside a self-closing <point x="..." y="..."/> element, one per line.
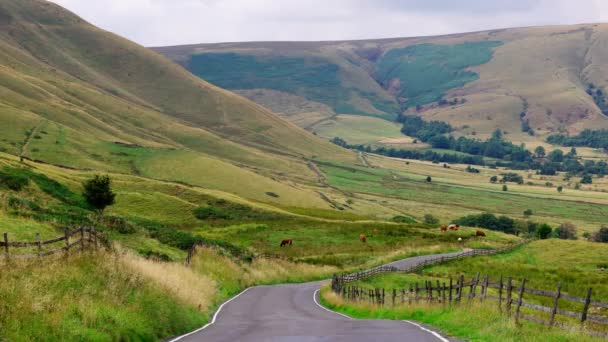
<point x="383" y="302"/>
<point x="450" y="290"/>
<point x="402" y="296"/>
<point x="520" y="300"/>
<point x="6" y="246"/>
<point x="443" y="288"/>
<point x="460" y="286"/>
<point x="67" y="240"/>
<point x="586" y="307"/>
<point x="394" y="296"/>
<point x="82" y="238"/>
<point x="438" y="290"/>
<point x="509" y="298"/>
<point x="500" y="285"/>
<point x="554" y="310"/>
<point x="429" y="290"/>
<point x="39" y="243"/>
<point x="473" y="287"/>
<point x="93" y="236"/>
<point x="416" y="292"/>
<point x="484" y="288"/>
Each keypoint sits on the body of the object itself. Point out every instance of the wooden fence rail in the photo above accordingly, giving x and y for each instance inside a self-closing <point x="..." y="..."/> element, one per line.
<point x="81" y="237"/>
<point x="510" y="295"/>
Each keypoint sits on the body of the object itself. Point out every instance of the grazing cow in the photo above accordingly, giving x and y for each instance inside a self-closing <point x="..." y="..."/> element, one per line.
<point x="480" y="233"/>
<point x="376" y="230"/>
<point x="453" y="227"/>
<point x="363" y="238"/>
<point x="444" y="228"/>
<point x="286" y="242"/>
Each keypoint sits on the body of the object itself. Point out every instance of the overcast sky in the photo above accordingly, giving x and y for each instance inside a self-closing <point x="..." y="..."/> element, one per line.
<point x="174" y="22"/>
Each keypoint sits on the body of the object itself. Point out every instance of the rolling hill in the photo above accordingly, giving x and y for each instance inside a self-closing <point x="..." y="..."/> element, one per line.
<point x="476" y="81"/>
<point x="74" y="95"/>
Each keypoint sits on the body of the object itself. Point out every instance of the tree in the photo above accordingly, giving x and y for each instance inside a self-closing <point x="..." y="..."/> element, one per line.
<point x="539" y="152"/>
<point x="428" y="179"/>
<point x="566" y="231"/>
<point x="586" y="179"/>
<point x="528" y="212"/>
<point x="98" y="192"/>
<point x="556" y="156"/>
<point x="504" y="187"/>
<point x="560" y="189"/>
<point x="544" y="231"/>
<point x="601" y="235"/>
<point x="430" y="219"/>
<point x="493" y="179"/>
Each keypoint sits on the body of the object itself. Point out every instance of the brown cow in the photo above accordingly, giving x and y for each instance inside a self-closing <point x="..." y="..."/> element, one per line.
<point x="363" y="238"/>
<point x="287" y="242"/>
<point x="444" y="228"/>
<point x="453" y="227"/>
<point x="480" y="233"/>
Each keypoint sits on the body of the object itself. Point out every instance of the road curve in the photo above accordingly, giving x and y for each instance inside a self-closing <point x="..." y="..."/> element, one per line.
<point x="292" y="313"/>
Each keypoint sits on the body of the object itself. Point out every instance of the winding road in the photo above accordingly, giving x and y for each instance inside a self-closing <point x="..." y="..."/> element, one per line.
<point x="293" y="313"/>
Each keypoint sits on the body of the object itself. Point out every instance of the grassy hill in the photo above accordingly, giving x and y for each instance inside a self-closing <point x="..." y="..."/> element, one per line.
<point x="74" y="95"/>
<point x="490" y="79"/>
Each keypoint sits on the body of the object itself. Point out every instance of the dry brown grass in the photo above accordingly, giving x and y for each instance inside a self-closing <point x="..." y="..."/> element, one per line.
<point x="181" y="282"/>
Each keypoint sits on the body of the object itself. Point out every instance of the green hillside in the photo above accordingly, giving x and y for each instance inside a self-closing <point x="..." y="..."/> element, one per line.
<point x="476" y="81"/>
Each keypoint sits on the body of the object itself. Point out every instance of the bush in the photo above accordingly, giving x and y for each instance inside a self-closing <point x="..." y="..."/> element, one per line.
<point x="544" y="231"/>
<point x="566" y="231"/>
<point x="493" y="179"/>
<point x="587" y="179"/>
<point x="601" y="235"/>
<point x="12" y="180"/>
<point x="403" y="219"/>
<point x="210" y="213"/>
<point x="428" y="179"/>
<point x="488" y="221"/>
<point x="430" y="219"/>
<point x="98" y="192"/>
<point x="504" y="188"/>
<point x="528" y="212"/>
<point x="512" y="177"/>
<point x="272" y="194"/>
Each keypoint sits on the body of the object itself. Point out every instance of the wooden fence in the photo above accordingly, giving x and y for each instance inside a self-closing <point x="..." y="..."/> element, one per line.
<point x="510" y="297"/>
<point x="509" y="294"/>
<point x="426" y="262"/>
<point x="79" y="238"/>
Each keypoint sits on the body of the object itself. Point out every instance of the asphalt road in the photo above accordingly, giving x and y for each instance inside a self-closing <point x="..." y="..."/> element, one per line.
<point x="292" y="313"/>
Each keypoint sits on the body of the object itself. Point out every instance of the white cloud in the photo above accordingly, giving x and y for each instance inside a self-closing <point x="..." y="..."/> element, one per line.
<point x="172" y="22"/>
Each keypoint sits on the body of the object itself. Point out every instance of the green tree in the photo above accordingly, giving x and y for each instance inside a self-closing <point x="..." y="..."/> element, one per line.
<point x="430" y="219"/>
<point x="493" y="179"/>
<point x="566" y="231"/>
<point x="428" y="179"/>
<point x="560" y="188"/>
<point x="586" y="179"/>
<point x="556" y="156"/>
<point x="539" y="152"/>
<point x="98" y="192"/>
<point x="504" y="187"/>
<point x="528" y="212"/>
<point x="544" y="231"/>
<point x="601" y="235"/>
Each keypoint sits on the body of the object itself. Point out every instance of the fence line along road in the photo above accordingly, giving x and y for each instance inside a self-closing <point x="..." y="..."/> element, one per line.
<point x="508" y="293"/>
<point x="80" y="238"/>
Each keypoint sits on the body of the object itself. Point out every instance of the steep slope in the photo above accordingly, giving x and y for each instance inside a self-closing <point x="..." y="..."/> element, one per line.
<point x="75" y="95"/>
<point x="477" y="81"/>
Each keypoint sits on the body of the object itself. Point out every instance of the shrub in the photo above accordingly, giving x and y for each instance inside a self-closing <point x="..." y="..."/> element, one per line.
<point x="488" y="221"/>
<point x="272" y="194"/>
<point x="210" y="213"/>
<point x="512" y="177"/>
<point x="528" y="212"/>
<point x="544" y="231"/>
<point x="404" y="219"/>
<point x="428" y="179"/>
<point x="601" y="235"/>
<point x="566" y="231"/>
<point x="560" y="188"/>
<point x="504" y="188"/>
<point x="586" y="179"/>
<point x="12" y="180"/>
<point x="430" y="219"/>
<point x="98" y="192"/>
<point x="493" y="179"/>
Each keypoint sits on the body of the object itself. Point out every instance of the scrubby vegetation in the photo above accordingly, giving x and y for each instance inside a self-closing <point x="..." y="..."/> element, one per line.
<point x="427" y="71"/>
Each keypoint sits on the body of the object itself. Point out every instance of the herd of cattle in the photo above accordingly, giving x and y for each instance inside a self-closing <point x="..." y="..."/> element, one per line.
<point x="363" y="238"/>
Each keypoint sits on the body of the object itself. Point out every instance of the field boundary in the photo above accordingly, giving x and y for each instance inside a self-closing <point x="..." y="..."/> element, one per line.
<point x="509" y="294"/>
<point x="87" y="237"/>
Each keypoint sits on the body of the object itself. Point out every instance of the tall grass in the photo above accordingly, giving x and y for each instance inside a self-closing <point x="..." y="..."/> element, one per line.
<point x="93" y="297"/>
<point x="473" y="322"/>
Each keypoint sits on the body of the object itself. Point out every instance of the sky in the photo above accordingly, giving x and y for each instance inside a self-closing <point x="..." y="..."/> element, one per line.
<point x="176" y="22"/>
